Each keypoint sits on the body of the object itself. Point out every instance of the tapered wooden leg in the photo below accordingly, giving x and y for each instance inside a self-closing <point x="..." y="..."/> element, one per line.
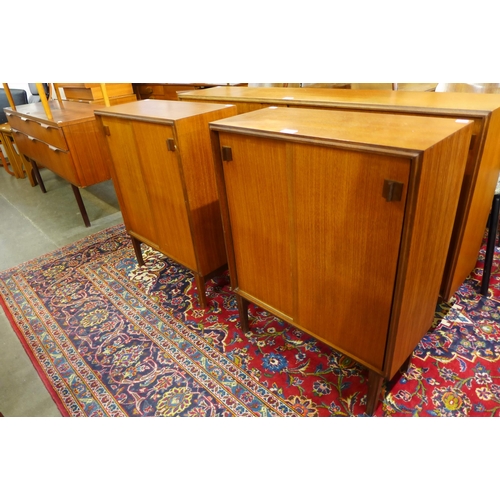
<point x="200" y="284"/>
<point x="28" y="168"/>
<point x="37" y="176"/>
<point x="81" y="206"/>
<point x="374" y="387"/>
<point x="243" y="312"/>
<point x="137" y="250"/>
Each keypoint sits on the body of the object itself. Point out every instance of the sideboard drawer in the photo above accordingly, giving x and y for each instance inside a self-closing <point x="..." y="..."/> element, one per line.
<point x="38" y="130"/>
<point x="57" y="160"/>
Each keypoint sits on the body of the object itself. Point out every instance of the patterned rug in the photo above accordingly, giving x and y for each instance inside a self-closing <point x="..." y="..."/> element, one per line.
<point x="111" y="339"/>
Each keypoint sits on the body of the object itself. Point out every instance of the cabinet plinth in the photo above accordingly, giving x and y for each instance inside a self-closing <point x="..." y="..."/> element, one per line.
<point x="339" y="223"/>
<point x="163" y="174"/>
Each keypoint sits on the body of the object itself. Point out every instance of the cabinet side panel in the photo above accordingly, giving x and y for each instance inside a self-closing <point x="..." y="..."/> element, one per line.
<point x="426" y="240"/>
<point x="128" y="179"/>
<point x="348" y="240"/>
<point x="195" y="149"/>
<point x="87" y="144"/>
<point x="257" y="195"/>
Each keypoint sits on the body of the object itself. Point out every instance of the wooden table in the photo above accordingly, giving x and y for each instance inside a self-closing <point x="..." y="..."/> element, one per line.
<point x="339" y="223"/>
<point x="72" y="144"/>
<point x="483" y="164"/>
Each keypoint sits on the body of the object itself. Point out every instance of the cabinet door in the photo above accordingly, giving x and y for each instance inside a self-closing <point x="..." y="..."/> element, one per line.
<point x="257" y="196"/>
<point x="128" y="179"/>
<point x="347" y="238"/>
<point x="165" y="187"/>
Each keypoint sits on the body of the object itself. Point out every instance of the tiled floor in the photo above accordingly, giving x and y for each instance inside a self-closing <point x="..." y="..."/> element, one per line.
<point x="31" y="224"/>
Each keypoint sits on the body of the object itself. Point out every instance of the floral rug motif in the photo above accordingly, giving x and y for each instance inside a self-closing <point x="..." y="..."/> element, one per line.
<point x="111" y="339"/>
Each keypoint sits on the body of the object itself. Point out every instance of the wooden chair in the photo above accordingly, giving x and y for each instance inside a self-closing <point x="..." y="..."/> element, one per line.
<point x="482" y="88"/>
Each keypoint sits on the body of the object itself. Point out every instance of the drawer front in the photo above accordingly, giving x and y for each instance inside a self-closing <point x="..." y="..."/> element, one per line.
<point x="57" y="160"/>
<point x="41" y="131"/>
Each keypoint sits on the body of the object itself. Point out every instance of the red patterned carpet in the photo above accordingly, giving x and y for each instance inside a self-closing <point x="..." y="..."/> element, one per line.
<point x="111" y="339"/>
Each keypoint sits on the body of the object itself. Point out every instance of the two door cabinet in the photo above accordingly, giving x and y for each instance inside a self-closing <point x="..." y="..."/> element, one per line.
<point x="163" y="174"/>
<point x="339" y="223"/>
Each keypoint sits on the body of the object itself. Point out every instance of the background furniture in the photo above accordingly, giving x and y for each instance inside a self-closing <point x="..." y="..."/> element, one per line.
<point x="169" y="91"/>
<point x="483" y="164"/>
<point x="16" y="161"/>
<point x="166" y="91"/>
<point x="339" y="223"/>
<point x="163" y="175"/>
<point x="482" y="88"/>
<point x="93" y="93"/>
<point x="35" y="96"/>
<point x="492" y="237"/>
<point x="69" y="143"/>
<point x="20" y="96"/>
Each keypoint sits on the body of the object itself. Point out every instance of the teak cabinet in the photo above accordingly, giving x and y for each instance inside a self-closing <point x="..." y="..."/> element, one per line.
<point x="339" y="223"/>
<point x="71" y="144"/>
<point x="483" y="164"/>
<point x="164" y="178"/>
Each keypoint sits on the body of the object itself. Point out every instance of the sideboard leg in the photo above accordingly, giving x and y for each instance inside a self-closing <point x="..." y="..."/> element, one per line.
<point x="137" y="250"/>
<point x="37" y="176"/>
<point x="81" y="206"/>
<point x="243" y="312"/>
<point x="374" y="387"/>
<point x="200" y="284"/>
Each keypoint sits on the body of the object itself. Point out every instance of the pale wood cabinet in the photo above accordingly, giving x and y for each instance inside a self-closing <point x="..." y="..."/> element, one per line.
<point x="164" y="178"/>
<point x="483" y="164"/>
<point x="339" y="223"/>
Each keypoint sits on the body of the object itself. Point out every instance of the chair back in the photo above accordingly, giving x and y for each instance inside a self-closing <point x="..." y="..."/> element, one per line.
<point x="35" y="97"/>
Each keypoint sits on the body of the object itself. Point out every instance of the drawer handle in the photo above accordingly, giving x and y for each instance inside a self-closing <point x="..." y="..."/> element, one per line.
<point x="57" y="150"/>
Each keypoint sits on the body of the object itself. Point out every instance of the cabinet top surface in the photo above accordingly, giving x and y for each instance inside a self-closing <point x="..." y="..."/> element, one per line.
<point x="451" y="103"/>
<point x="159" y="110"/>
<point x="398" y="132"/>
<point x="64" y="113"/>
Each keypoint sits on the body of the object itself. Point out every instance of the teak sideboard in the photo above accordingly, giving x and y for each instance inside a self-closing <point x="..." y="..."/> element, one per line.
<point x="339" y="223"/>
<point x="483" y="164"/>
<point x="71" y="144"/>
<point x="164" y="179"/>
